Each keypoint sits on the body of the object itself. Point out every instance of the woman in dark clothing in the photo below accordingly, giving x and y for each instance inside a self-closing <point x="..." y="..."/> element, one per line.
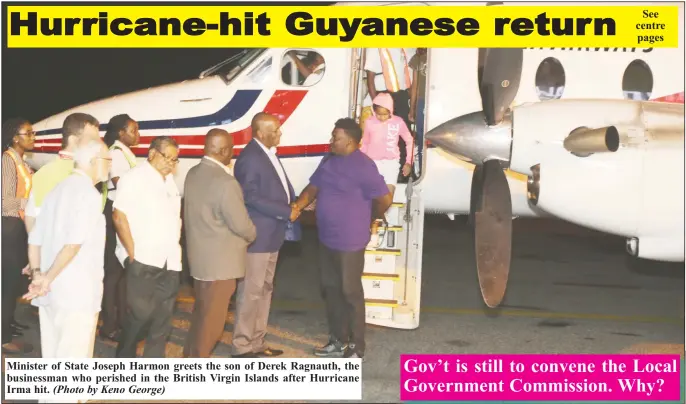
<point x="18" y="137"/>
<point x="122" y="133"/>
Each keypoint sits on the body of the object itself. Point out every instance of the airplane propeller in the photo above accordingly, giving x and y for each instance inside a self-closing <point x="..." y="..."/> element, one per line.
<point x="491" y="204"/>
<point x="484" y="138"/>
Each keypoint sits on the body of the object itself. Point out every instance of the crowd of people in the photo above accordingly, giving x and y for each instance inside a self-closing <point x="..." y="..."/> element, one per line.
<point x="98" y="232"/>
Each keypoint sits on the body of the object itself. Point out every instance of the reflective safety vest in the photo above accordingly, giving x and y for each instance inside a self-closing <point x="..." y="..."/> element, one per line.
<point x="24" y="174"/>
<point x="389" y="73"/>
<point x="132" y="164"/>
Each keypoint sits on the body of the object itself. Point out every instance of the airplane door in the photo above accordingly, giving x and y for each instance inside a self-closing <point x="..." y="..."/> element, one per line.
<point x="316" y="89"/>
<point x="392" y="271"/>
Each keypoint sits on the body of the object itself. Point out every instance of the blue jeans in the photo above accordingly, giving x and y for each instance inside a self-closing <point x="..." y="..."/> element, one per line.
<point x="419" y="120"/>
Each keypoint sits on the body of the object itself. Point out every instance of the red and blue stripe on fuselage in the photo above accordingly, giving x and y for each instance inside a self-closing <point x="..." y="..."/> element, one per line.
<point x="282" y="104"/>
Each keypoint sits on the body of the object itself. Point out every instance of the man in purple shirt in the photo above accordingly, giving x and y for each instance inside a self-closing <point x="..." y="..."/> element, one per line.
<point x="348" y="187"/>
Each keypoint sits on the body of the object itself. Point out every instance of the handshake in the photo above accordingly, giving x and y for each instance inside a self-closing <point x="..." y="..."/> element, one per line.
<point x="295" y="212"/>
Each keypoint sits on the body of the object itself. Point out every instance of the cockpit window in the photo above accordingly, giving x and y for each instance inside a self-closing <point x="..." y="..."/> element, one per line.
<point x="550" y="79"/>
<point x="637" y="83"/>
<point x="260" y="73"/>
<point x="232" y="66"/>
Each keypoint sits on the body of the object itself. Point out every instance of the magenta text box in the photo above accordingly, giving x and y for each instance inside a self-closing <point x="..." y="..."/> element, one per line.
<point x="540" y="377"/>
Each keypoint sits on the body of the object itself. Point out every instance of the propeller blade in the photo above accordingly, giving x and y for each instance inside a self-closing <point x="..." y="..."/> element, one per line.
<point x="499" y="81"/>
<point x="475" y="195"/>
<point x="493" y="232"/>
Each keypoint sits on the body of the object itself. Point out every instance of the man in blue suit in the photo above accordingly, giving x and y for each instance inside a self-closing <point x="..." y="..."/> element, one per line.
<point x="268" y="194"/>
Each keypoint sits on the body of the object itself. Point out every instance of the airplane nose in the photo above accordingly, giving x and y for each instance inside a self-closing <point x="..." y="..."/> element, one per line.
<point x="470" y="139"/>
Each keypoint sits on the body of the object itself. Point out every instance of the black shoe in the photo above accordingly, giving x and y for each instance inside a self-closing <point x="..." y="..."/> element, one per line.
<point x="269" y="353"/>
<point x="245" y="355"/>
<point x="20" y="326"/>
<point x="334" y="349"/>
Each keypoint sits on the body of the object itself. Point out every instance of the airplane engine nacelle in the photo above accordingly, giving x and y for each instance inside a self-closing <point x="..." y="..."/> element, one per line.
<point x="601" y="197"/>
<point x="638" y="194"/>
<point x="612" y="166"/>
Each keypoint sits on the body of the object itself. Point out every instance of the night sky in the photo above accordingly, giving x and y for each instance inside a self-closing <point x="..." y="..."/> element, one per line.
<point x="37" y="83"/>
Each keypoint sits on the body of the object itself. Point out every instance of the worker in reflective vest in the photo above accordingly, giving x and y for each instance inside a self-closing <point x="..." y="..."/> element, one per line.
<point x="122" y="133"/>
<point x="388" y="71"/>
<point x="18" y="137"/>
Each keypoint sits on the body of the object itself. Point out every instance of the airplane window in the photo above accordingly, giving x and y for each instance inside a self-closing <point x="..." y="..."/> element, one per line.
<point x="260" y="73"/>
<point x="637" y="83"/>
<point x="302" y="67"/>
<point x="550" y="79"/>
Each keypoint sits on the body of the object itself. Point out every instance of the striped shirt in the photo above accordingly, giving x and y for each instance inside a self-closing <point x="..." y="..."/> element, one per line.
<point x="11" y="204"/>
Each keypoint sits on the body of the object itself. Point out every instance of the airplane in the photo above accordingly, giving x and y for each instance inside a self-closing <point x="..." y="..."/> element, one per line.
<point x="592" y="136"/>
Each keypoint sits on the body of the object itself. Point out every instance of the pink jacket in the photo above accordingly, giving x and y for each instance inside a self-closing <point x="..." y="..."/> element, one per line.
<point x="380" y="139"/>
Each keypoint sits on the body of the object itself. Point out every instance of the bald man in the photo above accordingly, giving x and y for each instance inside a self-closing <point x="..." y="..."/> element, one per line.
<point x="268" y="193"/>
<point x="218" y="231"/>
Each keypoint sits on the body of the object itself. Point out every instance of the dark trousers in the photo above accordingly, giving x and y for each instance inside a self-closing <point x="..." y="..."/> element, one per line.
<point x="209" y="316"/>
<point x="150" y="297"/>
<point x="401" y="108"/>
<point x="114" y="285"/>
<point x="14" y="259"/>
<point x="341" y="279"/>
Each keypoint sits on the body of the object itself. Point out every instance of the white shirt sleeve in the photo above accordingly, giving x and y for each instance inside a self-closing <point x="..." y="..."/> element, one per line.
<point x="31" y="210"/>
<point x="119" y="164"/>
<point x="36" y="235"/>
<point x="125" y="199"/>
<point x="372" y="61"/>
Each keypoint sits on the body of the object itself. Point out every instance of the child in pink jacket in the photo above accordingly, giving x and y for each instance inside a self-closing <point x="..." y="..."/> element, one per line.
<point x="380" y="140"/>
<point x="380" y="143"/>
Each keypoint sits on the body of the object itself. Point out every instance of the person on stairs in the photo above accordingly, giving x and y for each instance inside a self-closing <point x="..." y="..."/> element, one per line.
<point x="380" y="143"/>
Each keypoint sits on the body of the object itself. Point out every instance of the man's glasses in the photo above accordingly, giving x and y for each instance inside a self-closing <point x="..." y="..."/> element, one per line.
<point x="174" y="160"/>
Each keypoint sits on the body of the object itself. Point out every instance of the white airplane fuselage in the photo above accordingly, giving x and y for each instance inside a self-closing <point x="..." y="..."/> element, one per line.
<point x="637" y="192"/>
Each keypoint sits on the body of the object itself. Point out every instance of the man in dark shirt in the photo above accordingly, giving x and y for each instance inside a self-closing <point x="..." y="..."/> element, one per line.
<point x="347" y="186"/>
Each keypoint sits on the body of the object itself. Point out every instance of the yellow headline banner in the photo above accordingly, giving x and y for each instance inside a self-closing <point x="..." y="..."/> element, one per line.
<point x="546" y="25"/>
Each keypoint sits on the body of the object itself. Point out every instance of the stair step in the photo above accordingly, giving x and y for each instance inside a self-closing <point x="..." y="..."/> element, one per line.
<point x="382" y="277"/>
<point x="381" y="302"/>
<point x="383" y="251"/>
<point x="397" y="205"/>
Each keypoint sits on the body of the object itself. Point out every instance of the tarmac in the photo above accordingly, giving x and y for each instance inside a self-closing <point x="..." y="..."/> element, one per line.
<point x="571" y="290"/>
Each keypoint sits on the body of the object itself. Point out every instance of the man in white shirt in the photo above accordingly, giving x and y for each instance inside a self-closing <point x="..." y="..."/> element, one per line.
<point x="267" y="193"/>
<point x="147" y="217"/>
<point x="66" y="254"/>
